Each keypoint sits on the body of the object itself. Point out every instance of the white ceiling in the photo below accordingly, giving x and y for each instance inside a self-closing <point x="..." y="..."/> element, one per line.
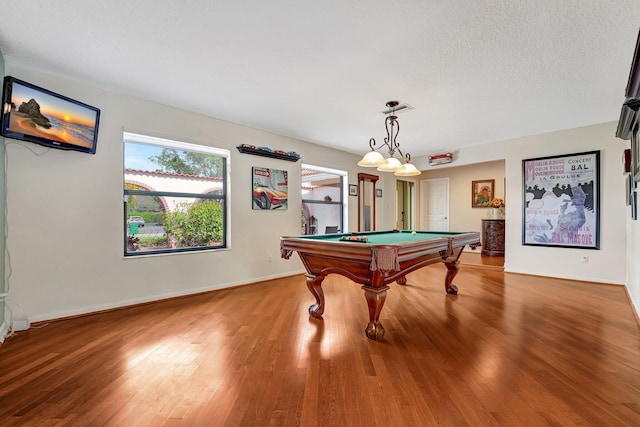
<point x="475" y="71"/>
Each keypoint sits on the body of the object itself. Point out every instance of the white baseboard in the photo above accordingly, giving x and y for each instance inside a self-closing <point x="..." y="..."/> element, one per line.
<point x="4" y="330"/>
<point x="566" y="277"/>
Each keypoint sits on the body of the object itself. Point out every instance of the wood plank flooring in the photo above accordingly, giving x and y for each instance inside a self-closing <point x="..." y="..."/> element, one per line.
<point x="475" y="260"/>
<point x="509" y="350"/>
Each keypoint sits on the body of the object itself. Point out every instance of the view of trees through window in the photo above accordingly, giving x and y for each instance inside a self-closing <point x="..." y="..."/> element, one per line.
<point x="174" y="196"/>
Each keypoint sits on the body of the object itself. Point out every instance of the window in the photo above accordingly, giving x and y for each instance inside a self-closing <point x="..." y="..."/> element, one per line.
<point x="323" y="204"/>
<point x="175" y="196"/>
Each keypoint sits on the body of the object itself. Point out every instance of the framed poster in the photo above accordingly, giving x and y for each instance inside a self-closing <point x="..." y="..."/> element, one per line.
<point x="626" y="160"/>
<point x="635" y="155"/>
<point x="482" y="193"/>
<point x="270" y="188"/>
<point x="353" y="190"/>
<point x="561" y="205"/>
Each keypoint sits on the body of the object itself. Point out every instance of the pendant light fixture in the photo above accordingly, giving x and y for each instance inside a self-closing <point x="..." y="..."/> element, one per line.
<point x="392" y="164"/>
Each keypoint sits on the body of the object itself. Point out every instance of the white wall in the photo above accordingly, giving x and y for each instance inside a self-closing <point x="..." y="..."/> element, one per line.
<point x="66" y="223"/>
<point x="633" y="272"/>
<point x="633" y="257"/>
<point x="66" y="227"/>
<point x="4" y="321"/>
<point x="607" y="265"/>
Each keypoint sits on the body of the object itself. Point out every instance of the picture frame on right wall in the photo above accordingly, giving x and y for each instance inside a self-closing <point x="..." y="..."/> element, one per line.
<point x="561" y="205"/>
<point x="630" y="186"/>
<point x="635" y="155"/>
<point x="634" y="172"/>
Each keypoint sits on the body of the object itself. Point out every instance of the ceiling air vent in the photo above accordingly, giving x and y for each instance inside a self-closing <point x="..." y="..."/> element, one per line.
<point x="398" y="109"/>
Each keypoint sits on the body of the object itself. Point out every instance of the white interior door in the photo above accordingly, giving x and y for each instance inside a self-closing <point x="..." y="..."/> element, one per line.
<point x="434" y="195"/>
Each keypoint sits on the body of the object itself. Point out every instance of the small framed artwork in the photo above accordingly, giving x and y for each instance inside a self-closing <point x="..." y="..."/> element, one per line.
<point x="635" y="155"/>
<point x="378" y="192"/>
<point x="353" y="190"/>
<point x="482" y="193"/>
<point x="626" y="160"/>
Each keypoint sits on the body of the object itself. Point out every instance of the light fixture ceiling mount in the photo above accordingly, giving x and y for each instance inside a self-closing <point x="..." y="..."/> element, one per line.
<point x="374" y="159"/>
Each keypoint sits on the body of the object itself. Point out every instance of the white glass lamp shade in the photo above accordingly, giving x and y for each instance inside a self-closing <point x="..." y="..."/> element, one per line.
<point x="372" y="159"/>
<point x="392" y="165"/>
<point x="408" y="170"/>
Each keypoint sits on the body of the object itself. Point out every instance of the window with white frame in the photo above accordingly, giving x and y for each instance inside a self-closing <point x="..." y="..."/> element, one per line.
<point x="175" y="196"/>
<point x="323" y="201"/>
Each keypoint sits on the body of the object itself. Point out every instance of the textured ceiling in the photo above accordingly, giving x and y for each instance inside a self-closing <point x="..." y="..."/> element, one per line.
<point x="475" y="71"/>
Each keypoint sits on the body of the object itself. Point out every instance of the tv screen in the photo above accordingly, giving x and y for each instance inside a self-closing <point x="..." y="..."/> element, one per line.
<point x="31" y="113"/>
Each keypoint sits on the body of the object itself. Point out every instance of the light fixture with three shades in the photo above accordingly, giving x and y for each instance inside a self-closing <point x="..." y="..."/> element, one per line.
<point x="391" y="164"/>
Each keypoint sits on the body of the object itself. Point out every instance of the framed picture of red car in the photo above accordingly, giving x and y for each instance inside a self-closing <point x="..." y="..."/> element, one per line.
<point x="270" y="188"/>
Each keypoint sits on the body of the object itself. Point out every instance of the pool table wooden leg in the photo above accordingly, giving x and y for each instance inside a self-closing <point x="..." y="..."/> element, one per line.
<point x="452" y="270"/>
<point x="451" y="260"/>
<point x="314" y="283"/>
<point x="375" y="301"/>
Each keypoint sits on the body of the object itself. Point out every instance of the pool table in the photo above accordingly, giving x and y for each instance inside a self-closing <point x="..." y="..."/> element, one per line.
<point x="385" y="257"/>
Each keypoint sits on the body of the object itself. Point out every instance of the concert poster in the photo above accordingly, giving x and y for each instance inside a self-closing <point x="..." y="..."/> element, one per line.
<point x="561" y="201"/>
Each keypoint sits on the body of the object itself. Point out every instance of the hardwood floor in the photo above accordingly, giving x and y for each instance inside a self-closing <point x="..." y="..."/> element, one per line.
<point x="477" y="261"/>
<point x="509" y="350"/>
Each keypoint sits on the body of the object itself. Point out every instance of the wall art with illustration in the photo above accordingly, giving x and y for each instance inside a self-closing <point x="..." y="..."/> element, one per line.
<point x="561" y="205"/>
<point x="482" y="193"/>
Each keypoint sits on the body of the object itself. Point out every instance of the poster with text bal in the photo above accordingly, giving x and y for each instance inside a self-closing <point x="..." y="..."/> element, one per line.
<point x="561" y="206"/>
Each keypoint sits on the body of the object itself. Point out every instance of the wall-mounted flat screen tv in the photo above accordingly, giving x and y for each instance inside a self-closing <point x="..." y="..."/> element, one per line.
<point x="31" y="113"/>
<point x="633" y="84"/>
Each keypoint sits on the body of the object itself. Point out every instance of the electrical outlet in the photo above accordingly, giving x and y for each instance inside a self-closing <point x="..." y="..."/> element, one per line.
<point x="585" y="259"/>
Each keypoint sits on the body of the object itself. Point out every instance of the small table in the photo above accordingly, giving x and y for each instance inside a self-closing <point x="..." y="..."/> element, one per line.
<point x="387" y="256"/>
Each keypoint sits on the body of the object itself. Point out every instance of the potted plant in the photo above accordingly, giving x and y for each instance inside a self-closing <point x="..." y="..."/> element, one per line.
<point x="496" y="210"/>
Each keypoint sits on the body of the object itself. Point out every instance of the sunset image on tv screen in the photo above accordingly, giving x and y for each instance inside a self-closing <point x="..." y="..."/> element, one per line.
<point x="42" y="115"/>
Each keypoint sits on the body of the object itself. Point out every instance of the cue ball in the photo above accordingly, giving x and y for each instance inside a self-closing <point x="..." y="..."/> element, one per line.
<point x="414" y="233"/>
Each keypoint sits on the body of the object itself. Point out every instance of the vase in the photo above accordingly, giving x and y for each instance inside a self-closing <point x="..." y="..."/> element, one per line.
<point x="496" y="213"/>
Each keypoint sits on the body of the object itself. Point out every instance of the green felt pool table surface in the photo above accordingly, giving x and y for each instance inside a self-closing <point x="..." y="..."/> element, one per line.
<point x="386" y="237"/>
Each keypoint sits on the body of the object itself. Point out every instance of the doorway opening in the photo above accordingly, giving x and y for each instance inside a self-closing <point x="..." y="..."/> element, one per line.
<point x="405" y="205"/>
